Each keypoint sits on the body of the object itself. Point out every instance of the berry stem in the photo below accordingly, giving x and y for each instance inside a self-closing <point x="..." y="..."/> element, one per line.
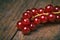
<point x="45" y="14"/>
<point x="56" y="12"/>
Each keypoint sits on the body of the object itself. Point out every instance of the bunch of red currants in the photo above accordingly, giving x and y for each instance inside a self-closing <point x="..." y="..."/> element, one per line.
<point x="33" y="17"/>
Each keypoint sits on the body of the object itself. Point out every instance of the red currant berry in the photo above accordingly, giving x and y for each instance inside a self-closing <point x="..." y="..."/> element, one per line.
<point x="25" y="30"/>
<point x="32" y="26"/>
<point x="58" y="17"/>
<point x="51" y="17"/>
<point x="49" y="8"/>
<point x="19" y="25"/>
<point x="56" y="8"/>
<point x="40" y="10"/>
<point x="26" y="15"/>
<point x="43" y="18"/>
<point x="28" y="10"/>
<point x="36" y="20"/>
<point x="34" y="11"/>
<point x="25" y="21"/>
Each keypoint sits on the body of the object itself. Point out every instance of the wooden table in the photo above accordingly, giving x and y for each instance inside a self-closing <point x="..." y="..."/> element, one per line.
<point x="11" y="11"/>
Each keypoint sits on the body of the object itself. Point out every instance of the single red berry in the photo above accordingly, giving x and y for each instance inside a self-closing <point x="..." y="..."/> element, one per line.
<point x="58" y="17"/>
<point x="36" y="20"/>
<point x="19" y="25"/>
<point x="49" y="8"/>
<point x="26" y="15"/>
<point x="25" y="30"/>
<point x="43" y="18"/>
<point x="40" y="10"/>
<point x="26" y="21"/>
<point x="56" y="8"/>
<point x="51" y="17"/>
<point x="34" y="11"/>
<point x="32" y="27"/>
<point x="28" y="11"/>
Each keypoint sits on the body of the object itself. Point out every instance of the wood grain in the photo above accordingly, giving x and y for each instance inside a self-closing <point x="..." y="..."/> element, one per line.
<point x="11" y="11"/>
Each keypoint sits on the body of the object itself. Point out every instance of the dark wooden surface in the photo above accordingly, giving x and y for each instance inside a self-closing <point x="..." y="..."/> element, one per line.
<point x="10" y="13"/>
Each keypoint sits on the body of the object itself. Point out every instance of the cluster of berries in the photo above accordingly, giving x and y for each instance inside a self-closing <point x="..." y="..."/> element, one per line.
<point x="33" y="17"/>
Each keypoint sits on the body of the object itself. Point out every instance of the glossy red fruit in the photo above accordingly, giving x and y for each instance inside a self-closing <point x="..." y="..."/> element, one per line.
<point x="58" y="17"/>
<point x="25" y="30"/>
<point x="32" y="27"/>
<point x="40" y="10"/>
<point x="28" y="11"/>
<point x="34" y="11"/>
<point x="36" y="20"/>
<point x="26" y="15"/>
<point x="56" y="8"/>
<point x="26" y="21"/>
<point x="19" y="25"/>
<point x="49" y="8"/>
<point x="43" y="18"/>
<point x="51" y="17"/>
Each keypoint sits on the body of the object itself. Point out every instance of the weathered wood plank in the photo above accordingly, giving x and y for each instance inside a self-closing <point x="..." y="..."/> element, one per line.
<point x="13" y="12"/>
